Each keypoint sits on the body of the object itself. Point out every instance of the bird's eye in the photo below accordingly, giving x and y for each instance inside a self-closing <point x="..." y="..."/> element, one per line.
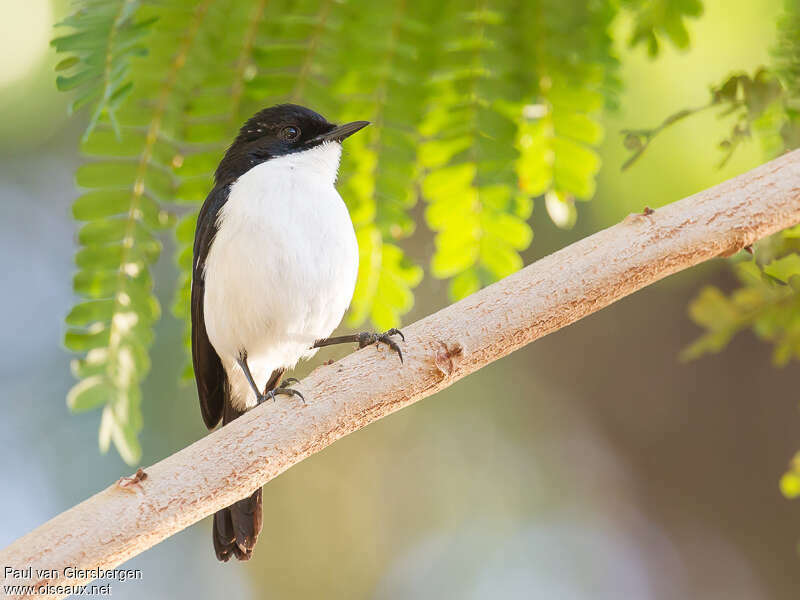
<point x="290" y="133"/>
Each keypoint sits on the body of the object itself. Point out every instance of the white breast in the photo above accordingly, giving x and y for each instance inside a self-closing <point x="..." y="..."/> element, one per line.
<point x="282" y="268"/>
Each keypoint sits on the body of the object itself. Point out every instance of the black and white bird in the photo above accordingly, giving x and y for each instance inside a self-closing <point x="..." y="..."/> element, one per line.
<point x="275" y="264"/>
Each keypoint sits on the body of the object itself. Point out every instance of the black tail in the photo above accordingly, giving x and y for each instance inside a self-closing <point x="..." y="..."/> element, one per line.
<point x="236" y="528"/>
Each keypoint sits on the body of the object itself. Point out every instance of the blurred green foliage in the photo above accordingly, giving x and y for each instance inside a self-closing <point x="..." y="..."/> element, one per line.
<point x="657" y="18"/>
<point x="479" y="107"/>
<point x="766" y="106"/>
<point x="767" y="303"/>
<point x="759" y="104"/>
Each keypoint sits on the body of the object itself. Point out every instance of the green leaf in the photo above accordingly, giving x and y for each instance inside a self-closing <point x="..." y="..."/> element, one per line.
<point x="107" y="142"/>
<point x="124" y="174"/>
<point x="656" y="18"/>
<point x="66" y="83"/>
<point x="784" y="268"/>
<point x="86" y="340"/>
<point x="114" y="229"/>
<point x="67" y="63"/>
<point x="90" y="393"/>
<point x="107" y="203"/>
<point x="100" y="204"/>
<point x="89" y="312"/>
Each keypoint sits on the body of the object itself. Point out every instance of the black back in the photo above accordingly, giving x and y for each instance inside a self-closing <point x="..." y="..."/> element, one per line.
<point x="208" y="371"/>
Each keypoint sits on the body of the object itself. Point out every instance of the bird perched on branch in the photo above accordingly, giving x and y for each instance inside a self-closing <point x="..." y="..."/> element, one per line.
<point x="275" y="264"/>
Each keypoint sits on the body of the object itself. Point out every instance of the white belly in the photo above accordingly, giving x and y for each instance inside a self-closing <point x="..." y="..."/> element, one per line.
<point x="281" y="270"/>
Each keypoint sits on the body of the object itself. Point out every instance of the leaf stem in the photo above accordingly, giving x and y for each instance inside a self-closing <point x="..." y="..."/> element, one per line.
<point x="144" y="162"/>
<point x="122" y="14"/>
<point x="237" y="90"/>
<point x="313" y="44"/>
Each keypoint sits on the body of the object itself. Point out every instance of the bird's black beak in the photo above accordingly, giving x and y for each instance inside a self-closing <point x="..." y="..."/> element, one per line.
<point x="337" y="134"/>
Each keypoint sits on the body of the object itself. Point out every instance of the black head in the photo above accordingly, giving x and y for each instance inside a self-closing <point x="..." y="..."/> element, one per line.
<point x="277" y="131"/>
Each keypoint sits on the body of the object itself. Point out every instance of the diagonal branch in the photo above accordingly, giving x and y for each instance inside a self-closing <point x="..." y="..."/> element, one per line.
<point x="120" y="522"/>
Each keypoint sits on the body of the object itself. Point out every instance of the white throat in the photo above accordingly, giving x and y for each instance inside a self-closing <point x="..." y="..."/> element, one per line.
<point x="320" y="163"/>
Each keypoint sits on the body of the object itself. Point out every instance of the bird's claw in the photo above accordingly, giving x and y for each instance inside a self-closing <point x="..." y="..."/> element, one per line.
<point x="367" y="338"/>
<point x="282" y="390"/>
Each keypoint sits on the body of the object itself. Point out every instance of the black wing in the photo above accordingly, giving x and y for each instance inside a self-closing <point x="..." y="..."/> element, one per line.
<point x="208" y="371"/>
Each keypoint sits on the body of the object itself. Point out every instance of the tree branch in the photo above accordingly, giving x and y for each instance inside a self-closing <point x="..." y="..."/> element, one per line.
<point x="120" y="522"/>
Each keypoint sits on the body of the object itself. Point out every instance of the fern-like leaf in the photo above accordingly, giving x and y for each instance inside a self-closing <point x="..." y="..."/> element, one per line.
<point x="470" y="187"/>
<point x="561" y="128"/>
<point x="379" y="167"/>
<point x="105" y="36"/>
<point x="295" y="55"/>
<point x="128" y="182"/>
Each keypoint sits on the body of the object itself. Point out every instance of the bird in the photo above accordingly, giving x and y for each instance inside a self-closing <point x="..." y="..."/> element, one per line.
<point x="275" y="260"/>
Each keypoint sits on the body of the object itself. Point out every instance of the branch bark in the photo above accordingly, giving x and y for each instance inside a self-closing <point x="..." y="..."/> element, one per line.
<point x="120" y="522"/>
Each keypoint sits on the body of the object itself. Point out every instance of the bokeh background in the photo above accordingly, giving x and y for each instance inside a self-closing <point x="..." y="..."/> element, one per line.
<point x="592" y="464"/>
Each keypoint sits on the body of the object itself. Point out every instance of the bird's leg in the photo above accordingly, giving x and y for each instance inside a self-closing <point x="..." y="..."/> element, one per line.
<point x="242" y="360"/>
<point x="365" y="338"/>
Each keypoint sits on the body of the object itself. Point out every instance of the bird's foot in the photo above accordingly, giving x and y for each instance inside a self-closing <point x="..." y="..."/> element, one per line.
<point x="368" y="338"/>
<point x="282" y="390"/>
